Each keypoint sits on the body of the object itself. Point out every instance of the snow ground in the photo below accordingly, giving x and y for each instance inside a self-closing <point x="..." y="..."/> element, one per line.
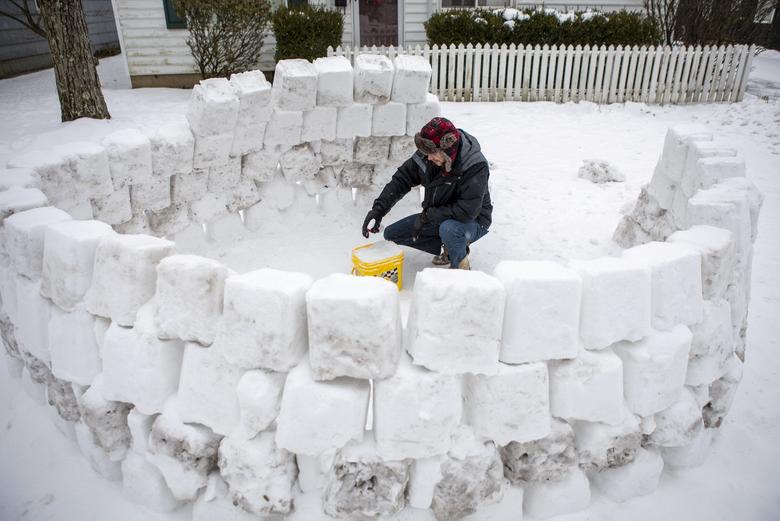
<point x="543" y="211"/>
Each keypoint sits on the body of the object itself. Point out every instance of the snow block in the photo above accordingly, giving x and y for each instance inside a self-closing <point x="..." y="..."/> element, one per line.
<point x="124" y="275"/>
<point x="722" y="392"/>
<point x="213" y="150"/>
<point x="654" y="369"/>
<point x="334" y="81"/>
<point x="18" y="178"/>
<point x="213" y="108"/>
<point x="616" y="301"/>
<point x="373" y="78"/>
<point x="254" y="94"/>
<point x="600" y="446"/>
<point x="712" y="345"/>
<point x="542" y="317"/>
<point x="675" y="279"/>
<point x="15" y="200"/>
<point x="401" y="149"/>
<point x="106" y="419"/>
<point x="243" y="195"/>
<point x="89" y="167"/>
<point x="354" y="121"/>
<point x="259" y="475"/>
<point x="211" y="206"/>
<point x="718" y="256"/>
<point x="173" y="146"/>
<point x="284" y="129"/>
<point x="389" y="119"/>
<point x="33" y="314"/>
<point x="129" y="157"/>
<point x="638" y="478"/>
<point x="340" y="414"/>
<point x="412" y="75"/>
<point x="24" y="238"/>
<point x="676" y="145"/>
<point x="226" y="228"/>
<point x="114" y="208"/>
<point x="259" y="398"/>
<point x="548" y="459"/>
<point x="75" y="355"/>
<point x="189" y="297"/>
<point x="190" y="186"/>
<point x="247" y="139"/>
<point x="300" y="163"/>
<point x="261" y="166"/>
<point x="589" y="387"/>
<point x="337" y="153"/>
<point x="415" y="412"/>
<point x="690" y="455"/>
<point x="356" y="175"/>
<point x="725" y="206"/>
<point x="215" y="503"/>
<point x="347" y="337"/>
<point x="713" y="170"/>
<point x="419" y="114"/>
<point x="224" y="177"/>
<point x="170" y="221"/>
<point x="546" y="499"/>
<point x="697" y="151"/>
<point x="153" y="195"/>
<point x="512" y="405"/>
<point x="471" y="299"/>
<point x="371" y="150"/>
<point x="143" y="484"/>
<point x="53" y="171"/>
<point x="320" y="123"/>
<point x="647" y="221"/>
<point x="140" y="426"/>
<point x="679" y="424"/>
<point x="295" y="85"/>
<point x="279" y="340"/>
<point x="97" y="457"/>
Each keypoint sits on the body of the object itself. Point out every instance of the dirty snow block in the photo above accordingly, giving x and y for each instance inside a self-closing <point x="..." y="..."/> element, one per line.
<point x="678" y="424"/>
<point x="542" y="317"/>
<point x="213" y="108"/>
<point x="261" y="166"/>
<point x="172" y="146"/>
<point x="142" y="483"/>
<point x="415" y="412"/>
<point x="337" y="153"/>
<point x="254" y="94"/>
<point x="389" y="119"/>
<point x="106" y="419"/>
<point x="654" y="369"/>
<point x="354" y="121"/>
<point x="114" y="208"/>
<point x="712" y="345"/>
<point x="371" y="150"/>
<point x="339" y="415"/>
<point x="284" y="129"/>
<point x="419" y="114"/>
<point x="124" y="275"/>
<point x="53" y="171"/>
<point x="721" y="394"/>
<point x="215" y="503"/>
<point x="676" y="282"/>
<point x="129" y="157"/>
<point x="412" y="75"/>
<point x="68" y="258"/>
<point x="184" y="453"/>
<point x="259" y="475"/>
<point x="601" y="446"/>
<point x="279" y="340"/>
<point x="589" y="387"/>
<point x="152" y="195"/>
<point x="189" y="186"/>
<point x="97" y="457"/>
<point x="718" y="256"/>
<point x="247" y="139"/>
<point x="319" y="124"/>
<point x="24" y="238"/>
<point x="472" y="300"/>
<point x="512" y="405"/>
<point x="347" y="337"/>
<point x="547" y="459"/>
<point x="15" y="200"/>
<point x="212" y="150"/>
<point x="373" y="78"/>
<point x="334" y="81"/>
<point x="259" y="397"/>
<point x="546" y="499"/>
<point x="33" y="314"/>
<point x="616" y="301"/>
<point x="300" y="163"/>
<point x="295" y="85"/>
<point x="89" y="167"/>
<point x="713" y="170"/>
<point x="189" y="297"/>
<point x="401" y="149"/>
<point x="638" y="478"/>
<point x="75" y="355"/>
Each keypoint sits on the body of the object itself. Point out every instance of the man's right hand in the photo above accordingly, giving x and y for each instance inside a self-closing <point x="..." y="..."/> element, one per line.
<point x="376" y="217"/>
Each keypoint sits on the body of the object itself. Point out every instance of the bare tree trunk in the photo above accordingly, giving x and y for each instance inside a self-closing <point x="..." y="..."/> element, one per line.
<point x="774" y="39"/>
<point x="78" y="84"/>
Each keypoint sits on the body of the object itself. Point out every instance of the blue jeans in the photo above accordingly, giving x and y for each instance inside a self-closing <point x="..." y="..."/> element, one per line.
<point x="455" y="235"/>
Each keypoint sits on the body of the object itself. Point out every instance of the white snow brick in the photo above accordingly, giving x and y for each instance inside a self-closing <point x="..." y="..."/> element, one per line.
<point x="75" y="355"/>
<point x="337" y="153"/>
<point x="295" y="85"/>
<point x="638" y="478"/>
<point x="243" y="195"/>
<point x="373" y="78"/>
<point x="512" y="405"/>
<point x="53" y="171"/>
<point x="153" y="195"/>
<point x="189" y="297"/>
<point x="676" y="282"/>
<point x="140" y="426"/>
<point x="724" y="206"/>
<point x="173" y="146"/>
<point x="372" y="150"/>
<point x="678" y="424"/>
<point x="106" y="419"/>
<point x="224" y="177"/>
<point x="347" y="337"/>
<point x="718" y="256"/>
<point x="415" y="412"/>
<point x="401" y="149"/>
<point x="389" y="119"/>
<point x="207" y="390"/>
<point x="213" y="108"/>
<point x="15" y="200"/>
<point x="33" y="314"/>
<point x="213" y="150"/>
<point x="419" y="114"/>
<point x="136" y="355"/>
<point x="68" y="258"/>
<point x="184" y="453"/>
<point x="211" y="206"/>
<point x="142" y="483"/>
<point x="356" y="175"/>
<point x="354" y="121"/>
<point x="509" y="508"/>
<point x="676" y="146"/>
<point x="698" y="150"/>
<point x="89" y="167"/>
<point x="589" y="387"/>
<point x="300" y="163"/>
<point x="279" y="340"/>
<point x="114" y="208"/>
<point x="124" y="275"/>
<point x="722" y="392"/>
<point x="24" y="238"/>
<point x="334" y="81"/>
<point x="18" y="178"/>
<point x="713" y="170"/>
<point x="600" y="446"/>
<point x="190" y="186"/>
<point x="226" y="228"/>
<point x="259" y="397"/>
<point x="412" y="75"/>
<point x="261" y="166"/>
<point x="129" y="157"/>
<point x="712" y="345"/>
<point x="259" y="475"/>
<point x="247" y="139"/>
<point x="616" y="301"/>
<point x="654" y="369"/>
<point x="215" y="504"/>
<point x="339" y="415"/>
<point x="690" y="455"/>
<point x="97" y="457"/>
<point x="542" y="316"/>
<point x="284" y="129"/>
<point x="319" y="123"/>
<point x="546" y="499"/>
<point x="254" y="96"/>
<point x="471" y="299"/>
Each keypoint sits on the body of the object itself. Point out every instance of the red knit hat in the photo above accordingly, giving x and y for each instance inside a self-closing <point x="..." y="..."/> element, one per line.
<point x="439" y="134"/>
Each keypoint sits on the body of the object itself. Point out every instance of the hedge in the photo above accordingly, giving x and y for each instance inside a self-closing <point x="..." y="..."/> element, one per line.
<point x="306" y="31"/>
<point x="531" y="27"/>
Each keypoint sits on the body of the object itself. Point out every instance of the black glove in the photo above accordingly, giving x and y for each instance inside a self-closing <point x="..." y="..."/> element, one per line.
<point x="418" y="226"/>
<point x="377" y="217"/>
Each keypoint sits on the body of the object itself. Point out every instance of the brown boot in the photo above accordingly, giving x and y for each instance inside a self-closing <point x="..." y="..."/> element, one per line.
<point x="464" y="263"/>
<point x="443" y="259"/>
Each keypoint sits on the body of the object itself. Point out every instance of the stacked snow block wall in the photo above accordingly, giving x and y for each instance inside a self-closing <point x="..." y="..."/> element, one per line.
<point x="321" y="130"/>
<point x="268" y="395"/>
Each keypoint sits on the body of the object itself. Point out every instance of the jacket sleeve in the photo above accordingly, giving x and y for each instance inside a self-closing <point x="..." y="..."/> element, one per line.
<point x="468" y="206"/>
<point x="406" y="177"/>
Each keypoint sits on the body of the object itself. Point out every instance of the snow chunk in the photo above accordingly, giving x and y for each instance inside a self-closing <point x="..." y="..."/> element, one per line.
<point x="295" y="85"/>
<point x="371" y="150"/>
<point x="97" y="457"/>
<point x="53" y="171"/>
<point x="722" y="392"/>
<point x="284" y="129"/>
<point x="336" y="153"/>
<point x="189" y="186"/>
<point x="142" y="483"/>
<point x="247" y="139"/>
<point x="24" y="238"/>
<point x="373" y="78"/>
<point x="259" y="396"/>
<point x="412" y="74"/>
<point x="546" y="499"/>
<point x="213" y="108"/>
<point x="15" y="200"/>
<point x="75" y="355"/>
<point x="33" y="314"/>
<point x="129" y="157"/>
<point x="300" y="163"/>
<point x="106" y="419"/>
<point x="691" y="455"/>
<point x="63" y="398"/>
<point x="547" y="459"/>
<point x="254" y="96"/>
<point x="153" y="195"/>
<point x="638" y="478"/>
<point x="114" y="208"/>
<point x="713" y="170"/>
<point x="319" y="123"/>
<point x="712" y="345"/>
<point x="389" y="119"/>
<point x="170" y="221"/>
<point x="601" y="446"/>
<point x="600" y="171"/>
<point x="678" y="424"/>
<point x="89" y="167"/>
<point x="718" y="256"/>
<point x="419" y="114"/>
<point x="334" y="81"/>
<point x="261" y="166"/>
<point x="353" y="121"/>
<point x="213" y="150"/>
<point x="172" y="146"/>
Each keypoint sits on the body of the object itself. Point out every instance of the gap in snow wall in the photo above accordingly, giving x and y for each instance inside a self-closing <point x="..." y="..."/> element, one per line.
<point x="271" y="394"/>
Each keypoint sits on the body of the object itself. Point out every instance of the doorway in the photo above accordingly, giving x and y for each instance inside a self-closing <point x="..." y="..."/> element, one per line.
<point x="378" y="22"/>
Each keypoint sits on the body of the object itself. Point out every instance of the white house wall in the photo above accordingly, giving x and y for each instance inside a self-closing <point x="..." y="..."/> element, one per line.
<point x="415" y="14"/>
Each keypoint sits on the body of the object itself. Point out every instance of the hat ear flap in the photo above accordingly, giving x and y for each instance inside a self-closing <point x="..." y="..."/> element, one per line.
<point x="426" y="146"/>
<point x="448" y="140"/>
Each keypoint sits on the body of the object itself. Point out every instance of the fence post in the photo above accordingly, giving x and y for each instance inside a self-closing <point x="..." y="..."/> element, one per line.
<point x="512" y="58"/>
<point x="746" y="72"/>
<point x="460" y="76"/>
<point x="435" y="69"/>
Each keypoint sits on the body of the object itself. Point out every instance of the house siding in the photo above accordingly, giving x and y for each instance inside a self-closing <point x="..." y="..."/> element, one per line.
<point x="415" y="14"/>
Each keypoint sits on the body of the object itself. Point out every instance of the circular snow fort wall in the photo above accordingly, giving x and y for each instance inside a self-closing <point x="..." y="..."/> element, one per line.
<point x="271" y="394"/>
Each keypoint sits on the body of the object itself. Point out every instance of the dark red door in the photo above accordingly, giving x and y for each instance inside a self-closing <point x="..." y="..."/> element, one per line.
<point x="378" y="22"/>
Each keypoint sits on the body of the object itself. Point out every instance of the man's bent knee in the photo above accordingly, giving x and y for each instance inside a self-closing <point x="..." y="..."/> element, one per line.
<point x="450" y="229"/>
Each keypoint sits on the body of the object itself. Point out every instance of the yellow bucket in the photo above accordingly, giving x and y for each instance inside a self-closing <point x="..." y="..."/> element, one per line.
<point x="379" y="259"/>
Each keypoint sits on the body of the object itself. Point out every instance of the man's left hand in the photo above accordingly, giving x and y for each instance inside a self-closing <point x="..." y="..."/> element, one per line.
<point x="419" y="223"/>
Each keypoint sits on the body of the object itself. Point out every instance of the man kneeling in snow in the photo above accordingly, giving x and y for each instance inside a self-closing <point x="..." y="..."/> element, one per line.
<point x="456" y="210"/>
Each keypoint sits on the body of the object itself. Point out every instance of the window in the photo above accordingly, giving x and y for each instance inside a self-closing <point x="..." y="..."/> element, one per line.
<point x="294" y="3"/>
<point x="475" y="3"/>
<point x="172" y="20"/>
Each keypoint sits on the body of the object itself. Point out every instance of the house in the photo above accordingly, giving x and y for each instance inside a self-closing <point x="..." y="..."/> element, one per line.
<point x="153" y="38"/>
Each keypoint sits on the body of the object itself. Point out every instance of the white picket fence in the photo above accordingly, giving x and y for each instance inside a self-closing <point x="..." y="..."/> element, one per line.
<point x="657" y="75"/>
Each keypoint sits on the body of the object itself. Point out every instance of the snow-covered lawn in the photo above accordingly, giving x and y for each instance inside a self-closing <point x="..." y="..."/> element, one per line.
<point x="542" y="211"/>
